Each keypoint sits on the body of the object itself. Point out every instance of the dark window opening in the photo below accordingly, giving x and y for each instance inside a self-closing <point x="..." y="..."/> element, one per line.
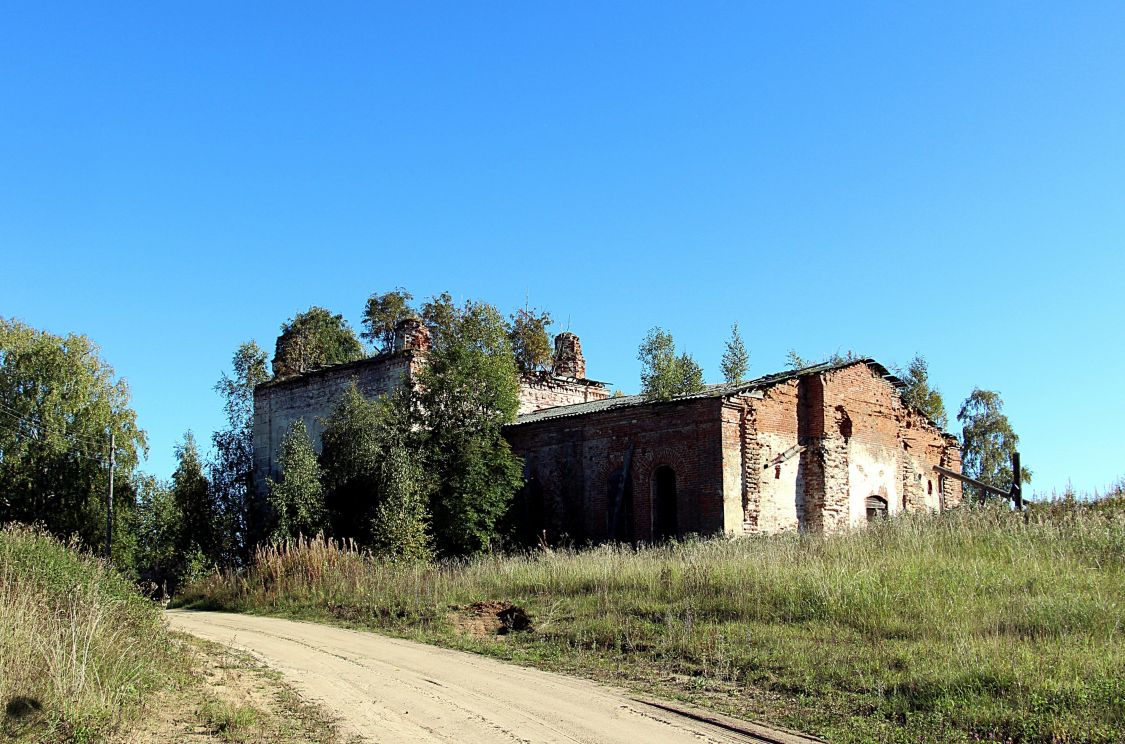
<point x="664" y="522"/>
<point x="876" y="508"/>
<point x="620" y="503"/>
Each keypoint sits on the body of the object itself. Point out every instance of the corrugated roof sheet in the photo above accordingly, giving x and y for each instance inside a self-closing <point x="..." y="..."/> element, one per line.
<point x="721" y="390"/>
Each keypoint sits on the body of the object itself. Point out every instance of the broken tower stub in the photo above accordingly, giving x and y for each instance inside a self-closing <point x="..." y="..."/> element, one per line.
<point x="569" y="361"/>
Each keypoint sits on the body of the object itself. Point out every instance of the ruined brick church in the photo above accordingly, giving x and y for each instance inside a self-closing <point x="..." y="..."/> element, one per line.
<point x="820" y="448"/>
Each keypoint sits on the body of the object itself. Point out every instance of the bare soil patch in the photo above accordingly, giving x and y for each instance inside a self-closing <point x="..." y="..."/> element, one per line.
<point x="489" y="619"/>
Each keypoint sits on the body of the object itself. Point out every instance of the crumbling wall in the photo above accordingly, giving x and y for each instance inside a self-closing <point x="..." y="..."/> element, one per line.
<point x="814" y="448"/>
<point x="891" y="448"/>
<point x="311" y="397"/>
<point x="775" y="478"/>
<point x="539" y="390"/>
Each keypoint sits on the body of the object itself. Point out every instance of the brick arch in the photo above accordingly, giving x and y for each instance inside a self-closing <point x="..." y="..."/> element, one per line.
<point x="647" y="461"/>
<point x="645" y="464"/>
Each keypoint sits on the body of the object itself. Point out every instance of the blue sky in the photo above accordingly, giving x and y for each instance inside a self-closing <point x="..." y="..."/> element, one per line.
<point x="890" y="178"/>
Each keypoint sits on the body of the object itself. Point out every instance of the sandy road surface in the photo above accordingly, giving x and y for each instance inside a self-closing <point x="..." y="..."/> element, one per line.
<point x="390" y="690"/>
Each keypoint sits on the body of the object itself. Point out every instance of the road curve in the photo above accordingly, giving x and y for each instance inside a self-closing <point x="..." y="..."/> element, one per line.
<point x="391" y="690"/>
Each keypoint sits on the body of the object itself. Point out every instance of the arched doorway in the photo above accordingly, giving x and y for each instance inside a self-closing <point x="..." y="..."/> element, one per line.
<point x="664" y="517"/>
<point x="876" y="508"/>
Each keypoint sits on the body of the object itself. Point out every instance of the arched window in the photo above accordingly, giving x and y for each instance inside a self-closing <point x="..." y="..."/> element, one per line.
<point x="664" y="521"/>
<point x="876" y="507"/>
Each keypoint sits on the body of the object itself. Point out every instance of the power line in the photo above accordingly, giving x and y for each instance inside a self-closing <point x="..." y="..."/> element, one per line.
<point x="70" y="451"/>
<point x="40" y="426"/>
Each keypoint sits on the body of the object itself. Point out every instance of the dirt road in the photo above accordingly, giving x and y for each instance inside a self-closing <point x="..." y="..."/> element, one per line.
<point x="390" y="690"/>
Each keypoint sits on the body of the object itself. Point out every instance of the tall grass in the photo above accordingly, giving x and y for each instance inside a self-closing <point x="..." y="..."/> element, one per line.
<point x="981" y="624"/>
<point x="79" y="647"/>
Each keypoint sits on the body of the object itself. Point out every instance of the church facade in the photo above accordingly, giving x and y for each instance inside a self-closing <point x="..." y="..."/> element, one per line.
<point x="822" y="448"/>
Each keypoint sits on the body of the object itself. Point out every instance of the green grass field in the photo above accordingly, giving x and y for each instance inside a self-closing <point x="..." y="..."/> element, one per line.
<point x="975" y="625"/>
<point x="80" y="649"/>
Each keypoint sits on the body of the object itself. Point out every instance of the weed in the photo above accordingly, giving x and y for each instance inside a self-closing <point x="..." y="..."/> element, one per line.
<point x="976" y="624"/>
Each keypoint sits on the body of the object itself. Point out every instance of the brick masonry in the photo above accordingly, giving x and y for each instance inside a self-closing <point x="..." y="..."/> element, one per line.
<point x="310" y="397"/>
<point x="807" y="451"/>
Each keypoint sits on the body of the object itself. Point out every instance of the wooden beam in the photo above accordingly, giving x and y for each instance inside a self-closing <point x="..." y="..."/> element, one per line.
<point x="794" y="450"/>
<point x="973" y="482"/>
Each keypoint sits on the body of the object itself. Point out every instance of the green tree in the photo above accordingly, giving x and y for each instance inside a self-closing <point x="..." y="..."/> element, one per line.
<point x="191" y="492"/>
<point x="59" y="402"/>
<point x="736" y="360"/>
<point x="664" y="375"/>
<point x="469" y="390"/>
<point x="312" y="339"/>
<point x="438" y="314"/>
<point x="298" y="498"/>
<point x="240" y="513"/>
<point x="159" y="526"/>
<point x="400" y="528"/>
<point x="382" y="313"/>
<point x="987" y="440"/>
<point x="793" y="360"/>
<point x="918" y="392"/>
<point x="796" y="361"/>
<point x="353" y="447"/>
<point x="531" y="343"/>
<point x="374" y="467"/>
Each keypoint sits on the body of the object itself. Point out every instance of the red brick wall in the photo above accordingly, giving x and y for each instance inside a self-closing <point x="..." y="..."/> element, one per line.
<point x="573" y="460"/>
<point x="858" y="440"/>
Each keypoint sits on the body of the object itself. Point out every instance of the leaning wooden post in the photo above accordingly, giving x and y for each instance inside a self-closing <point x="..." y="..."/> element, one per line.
<point x="1017" y="482"/>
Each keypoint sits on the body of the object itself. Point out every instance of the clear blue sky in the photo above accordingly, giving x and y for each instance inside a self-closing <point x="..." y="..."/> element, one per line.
<point x="948" y="179"/>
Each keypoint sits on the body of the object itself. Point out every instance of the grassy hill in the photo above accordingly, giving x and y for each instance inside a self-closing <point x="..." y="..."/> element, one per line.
<point x="978" y="624"/>
<point x="80" y="649"/>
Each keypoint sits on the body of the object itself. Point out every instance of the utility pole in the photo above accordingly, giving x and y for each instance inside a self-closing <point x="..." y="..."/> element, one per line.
<point x="1017" y="485"/>
<point x="109" y="504"/>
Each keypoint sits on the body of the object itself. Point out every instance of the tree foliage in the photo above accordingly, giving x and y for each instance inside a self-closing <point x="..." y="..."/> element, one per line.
<point x="382" y="313"/>
<point x="374" y="462"/>
<point x="469" y="390"/>
<point x="240" y="513"/>
<point x="919" y="394"/>
<point x="59" y="402"/>
<point x="159" y="526"/>
<point x="312" y="339"/>
<point x="352" y="448"/>
<point x="400" y="528"/>
<point x="736" y="360"/>
<point x="793" y="360"/>
<point x="665" y="375"/>
<point x="531" y="342"/>
<point x="987" y="440"/>
<point x="298" y="498"/>
<point x="191" y="493"/>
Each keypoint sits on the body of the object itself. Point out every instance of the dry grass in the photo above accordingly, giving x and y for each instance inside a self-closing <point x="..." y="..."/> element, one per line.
<point x="974" y="625"/>
<point x="79" y="648"/>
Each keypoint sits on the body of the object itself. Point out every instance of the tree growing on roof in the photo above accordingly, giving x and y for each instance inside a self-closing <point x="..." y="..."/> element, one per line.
<point x="382" y="313"/>
<point x="531" y="343"/>
<point x="736" y="360"/>
<point x="312" y="339"/>
<point x="918" y="392"/>
<point x="664" y="374"/>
